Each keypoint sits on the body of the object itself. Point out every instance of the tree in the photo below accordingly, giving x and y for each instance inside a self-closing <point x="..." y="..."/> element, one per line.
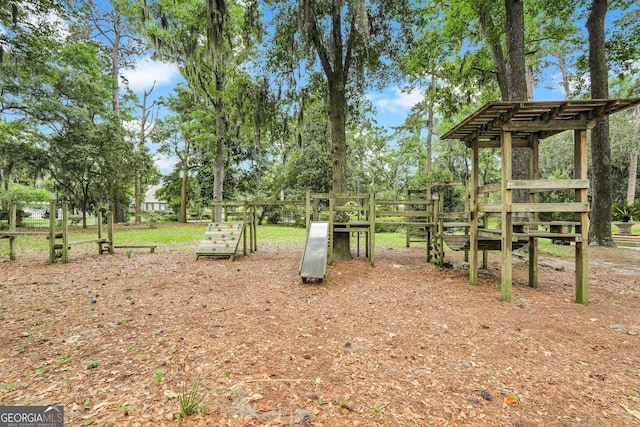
<point x="344" y="40"/>
<point x="29" y="40"/>
<point x="229" y="29"/>
<point x="147" y="124"/>
<point x="600" y="221"/>
<point x="185" y="135"/>
<point x="112" y="24"/>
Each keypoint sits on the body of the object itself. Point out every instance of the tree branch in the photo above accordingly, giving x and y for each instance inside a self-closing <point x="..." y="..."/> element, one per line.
<point x="310" y="18"/>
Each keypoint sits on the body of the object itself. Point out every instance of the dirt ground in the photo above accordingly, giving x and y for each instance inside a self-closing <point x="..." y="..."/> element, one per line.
<point x="115" y="339"/>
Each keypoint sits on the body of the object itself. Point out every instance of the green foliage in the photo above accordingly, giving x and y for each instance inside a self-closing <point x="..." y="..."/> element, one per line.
<point x="624" y="212"/>
<point x="191" y="399"/>
<point x="25" y="195"/>
<point x="557" y="196"/>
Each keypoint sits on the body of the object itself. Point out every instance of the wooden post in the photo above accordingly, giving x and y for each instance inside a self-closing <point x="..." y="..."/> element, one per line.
<point x="507" y="221"/>
<point x="485" y="224"/>
<point x="65" y="232"/>
<point x="255" y="226"/>
<point x="331" y="203"/>
<point x="13" y="216"/>
<point x="473" y="215"/>
<point x="580" y="168"/>
<point x="53" y="213"/>
<point x="307" y="208"/>
<point x="533" y="198"/>
<point x="372" y="228"/>
<point x="110" y="230"/>
<point x="99" y="224"/>
<point x="244" y="229"/>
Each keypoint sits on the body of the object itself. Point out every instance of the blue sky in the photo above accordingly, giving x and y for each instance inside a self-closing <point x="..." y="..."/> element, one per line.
<point x="392" y="104"/>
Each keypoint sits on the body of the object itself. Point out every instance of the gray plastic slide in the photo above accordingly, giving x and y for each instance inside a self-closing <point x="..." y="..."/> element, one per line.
<point x="314" y="259"/>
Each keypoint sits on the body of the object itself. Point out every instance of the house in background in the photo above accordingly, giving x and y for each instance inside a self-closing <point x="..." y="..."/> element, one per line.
<point x="151" y="202"/>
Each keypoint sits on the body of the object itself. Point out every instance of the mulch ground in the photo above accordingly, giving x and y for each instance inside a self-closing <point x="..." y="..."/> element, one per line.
<point x="117" y="340"/>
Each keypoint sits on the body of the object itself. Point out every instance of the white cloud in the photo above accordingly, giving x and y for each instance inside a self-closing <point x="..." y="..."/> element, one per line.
<point x="165" y="163"/>
<point x="147" y="71"/>
<point x="394" y="100"/>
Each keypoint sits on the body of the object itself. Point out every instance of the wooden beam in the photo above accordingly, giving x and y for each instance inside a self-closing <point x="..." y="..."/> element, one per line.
<point x="490" y="208"/>
<point x="533" y="198"/>
<point x="473" y="218"/>
<point x="580" y="172"/>
<point x="490" y="188"/>
<point x="576" y="207"/>
<point x="507" y="230"/>
<point x="540" y="185"/>
<point x="552" y="125"/>
<point x="495" y="143"/>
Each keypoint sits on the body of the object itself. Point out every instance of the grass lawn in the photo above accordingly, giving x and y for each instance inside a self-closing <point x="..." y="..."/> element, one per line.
<point x="185" y="234"/>
<point x="181" y="234"/>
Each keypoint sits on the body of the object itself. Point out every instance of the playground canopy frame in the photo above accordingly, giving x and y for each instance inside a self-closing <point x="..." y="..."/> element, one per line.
<point x="507" y="125"/>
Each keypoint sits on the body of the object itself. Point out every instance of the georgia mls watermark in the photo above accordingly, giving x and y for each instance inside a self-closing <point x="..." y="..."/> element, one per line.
<point x="31" y="416"/>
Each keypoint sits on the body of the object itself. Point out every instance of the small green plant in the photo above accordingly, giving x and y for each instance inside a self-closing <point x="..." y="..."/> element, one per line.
<point x="624" y="212"/>
<point x="9" y="386"/>
<point x="376" y="410"/>
<point x="88" y="422"/>
<point x="227" y="373"/>
<point x="158" y="378"/>
<point x="129" y="252"/>
<point x="67" y="358"/>
<point x="132" y="348"/>
<point x="191" y="399"/>
<point x="92" y="365"/>
<point x="319" y="400"/>
<point x="153" y="221"/>
<point x="633" y="392"/>
<point x="86" y="403"/>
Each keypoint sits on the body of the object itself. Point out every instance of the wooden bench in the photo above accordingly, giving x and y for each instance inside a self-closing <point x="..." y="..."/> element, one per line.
<point x="152" y="248"/>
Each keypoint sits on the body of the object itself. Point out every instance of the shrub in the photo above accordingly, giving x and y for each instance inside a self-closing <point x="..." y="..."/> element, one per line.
<point x="624" y="212"/>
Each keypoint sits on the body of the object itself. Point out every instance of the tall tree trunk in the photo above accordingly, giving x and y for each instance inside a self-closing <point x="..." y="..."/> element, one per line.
<point x="488" y="34"/>
<point x="517" y="85"/>
<point x="338" y="111"/>
<point x="430" y="123"/>
<point x="633" y="157"/>
<point x="218" y="164"/>
<point x="600" y="221"/>
<point x="183" y="189"/>
<point x="335" y="62"/>
<point x="565" y="75"/>
<point x="142" y="136"/>
<point x="529" y="83"/>
<point x="116" y="206"/>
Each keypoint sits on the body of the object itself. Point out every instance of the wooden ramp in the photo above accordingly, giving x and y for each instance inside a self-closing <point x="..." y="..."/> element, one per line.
<point x="627" y="240"/>
<point x="314" y="259"/>
<point x="221" y="240"/>
<point x="462" y="242"/>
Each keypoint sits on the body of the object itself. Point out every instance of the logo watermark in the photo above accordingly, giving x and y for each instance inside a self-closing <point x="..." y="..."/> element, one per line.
<point x="31" y="416"/>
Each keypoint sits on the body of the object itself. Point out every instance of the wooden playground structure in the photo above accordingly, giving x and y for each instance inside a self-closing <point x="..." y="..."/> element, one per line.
<point x="359" y="214"/>
<point x="507" y="125"/>
<point x="57" y="234"/>
<point x="503" y="125"/>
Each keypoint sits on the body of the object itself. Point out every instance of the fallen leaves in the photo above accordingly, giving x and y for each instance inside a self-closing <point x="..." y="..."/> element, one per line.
<point x="510" y="399"/>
